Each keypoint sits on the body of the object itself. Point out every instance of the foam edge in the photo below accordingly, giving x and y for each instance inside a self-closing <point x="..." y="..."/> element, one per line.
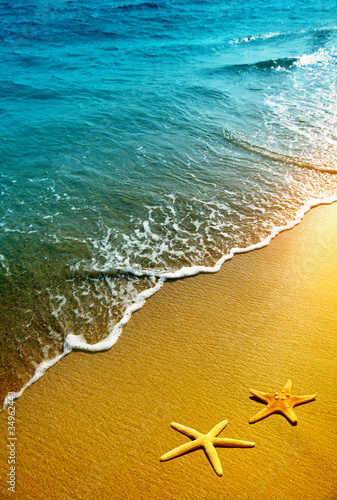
<point x="77" y="342"/>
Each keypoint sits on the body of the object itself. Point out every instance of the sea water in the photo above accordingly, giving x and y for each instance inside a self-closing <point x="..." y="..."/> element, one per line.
<point x="149" y="140"/>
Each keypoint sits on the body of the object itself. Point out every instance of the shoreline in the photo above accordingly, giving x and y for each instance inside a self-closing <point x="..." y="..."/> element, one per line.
<point x="101" y="423"/>
<point x="76" y="342"/>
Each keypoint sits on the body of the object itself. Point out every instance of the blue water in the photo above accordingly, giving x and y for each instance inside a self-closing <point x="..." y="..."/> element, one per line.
<point x="140" y="138"/>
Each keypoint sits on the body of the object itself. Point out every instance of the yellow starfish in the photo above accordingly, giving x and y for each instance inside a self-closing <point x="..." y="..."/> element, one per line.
<point x="280" y="402"/>
<point x="206" y="441"/>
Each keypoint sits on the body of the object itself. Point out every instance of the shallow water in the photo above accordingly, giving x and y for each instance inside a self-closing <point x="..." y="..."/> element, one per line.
<point x="141" y="138"/>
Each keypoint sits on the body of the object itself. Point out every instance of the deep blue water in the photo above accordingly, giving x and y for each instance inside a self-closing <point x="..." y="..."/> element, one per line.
<point x="139" y="138"/>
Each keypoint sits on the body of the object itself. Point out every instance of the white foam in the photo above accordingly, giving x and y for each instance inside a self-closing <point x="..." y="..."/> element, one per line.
<point x="78" y="342"/>
<point x="73" y="342"/>
<point x="191" y="271"/>
<point x="276" y="34"/>
<point x="4" y="265"/>
<point x="253" y="38"/>
<point x="40" y="370"/>
<point x="320" y="56"/>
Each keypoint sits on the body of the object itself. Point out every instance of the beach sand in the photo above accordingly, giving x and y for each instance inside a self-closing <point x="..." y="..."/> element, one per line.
<point x="95" y="426"/>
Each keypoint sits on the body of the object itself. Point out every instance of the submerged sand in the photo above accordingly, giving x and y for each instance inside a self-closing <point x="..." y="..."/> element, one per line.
<point x="96" y="425"/>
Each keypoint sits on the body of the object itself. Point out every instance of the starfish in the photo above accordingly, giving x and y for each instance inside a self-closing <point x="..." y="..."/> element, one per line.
<point x="280" y="402"/>
<point x="206" y="441"/>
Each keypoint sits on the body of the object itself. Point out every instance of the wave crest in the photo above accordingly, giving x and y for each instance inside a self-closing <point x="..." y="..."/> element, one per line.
<point x="261" y="37"/>
<point x="272" y="155"/>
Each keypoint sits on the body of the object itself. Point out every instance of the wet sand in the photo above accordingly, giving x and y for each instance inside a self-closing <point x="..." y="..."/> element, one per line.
<point x="96" y="425"/>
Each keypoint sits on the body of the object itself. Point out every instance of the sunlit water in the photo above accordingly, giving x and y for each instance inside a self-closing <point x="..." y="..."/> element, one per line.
<point x="141" y="138"/>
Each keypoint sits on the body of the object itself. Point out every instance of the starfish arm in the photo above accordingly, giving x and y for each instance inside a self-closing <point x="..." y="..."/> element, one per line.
<point x="187" y="431"/>
<point x="232" y="443"/>
<point x="299" y="400"/>
<point x="184" y="448"/>
<point x="290" y="414"/>
<point x="218" y="428"/>
<point x="287" y="387"/>
<point x="262" y="414"/>
<point x="213" y="457"/>
<point x="260" y="395"/>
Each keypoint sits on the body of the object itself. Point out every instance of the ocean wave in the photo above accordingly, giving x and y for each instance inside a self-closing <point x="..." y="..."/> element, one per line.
<point x="269" y="64"/>
<point x="261" y="37"/>
<point x="272" y="155"/>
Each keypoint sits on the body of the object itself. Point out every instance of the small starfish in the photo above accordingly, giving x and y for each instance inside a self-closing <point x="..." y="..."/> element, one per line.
<point x="280" y="402"/>
<point x="206" y="441"/>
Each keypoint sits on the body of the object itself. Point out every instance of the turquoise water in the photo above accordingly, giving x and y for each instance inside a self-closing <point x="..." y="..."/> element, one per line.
<point x="141" y="140"/>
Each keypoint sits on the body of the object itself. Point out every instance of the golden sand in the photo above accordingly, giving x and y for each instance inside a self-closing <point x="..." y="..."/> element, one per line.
<point x="95" y="426"/>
